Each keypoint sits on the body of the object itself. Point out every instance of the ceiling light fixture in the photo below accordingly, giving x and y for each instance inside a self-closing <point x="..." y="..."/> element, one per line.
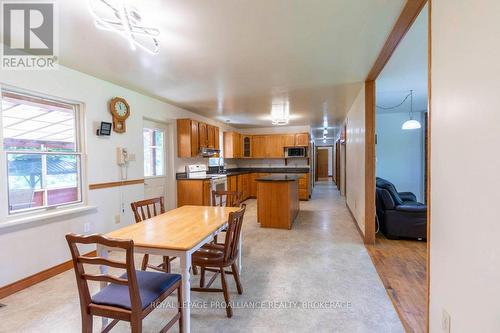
<point x="125" y="21"/>
<point x="280" y="112"/>
<point x="411" y="123"/>
<point x="325" y="131"/>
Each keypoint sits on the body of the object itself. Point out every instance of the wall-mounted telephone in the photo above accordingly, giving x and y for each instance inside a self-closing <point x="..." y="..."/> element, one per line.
<point x="122" y="156"/>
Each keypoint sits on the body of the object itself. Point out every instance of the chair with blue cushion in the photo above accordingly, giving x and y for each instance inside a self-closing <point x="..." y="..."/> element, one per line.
<point x="130" y="296"/>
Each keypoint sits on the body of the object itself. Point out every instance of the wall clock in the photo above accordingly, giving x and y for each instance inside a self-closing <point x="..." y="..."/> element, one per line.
<point x="120" y="110"/>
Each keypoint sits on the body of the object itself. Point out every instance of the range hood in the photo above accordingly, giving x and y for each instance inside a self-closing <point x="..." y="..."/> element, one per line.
<point x="209" y="152"/>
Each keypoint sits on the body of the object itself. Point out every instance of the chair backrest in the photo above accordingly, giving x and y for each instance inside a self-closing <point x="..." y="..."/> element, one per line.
<point x="387" y="185"/>
<point x="233" y="198"/>
<point x="151" y="210"/>
<point x="233" y="233"/>
<point x="82" y="277"/>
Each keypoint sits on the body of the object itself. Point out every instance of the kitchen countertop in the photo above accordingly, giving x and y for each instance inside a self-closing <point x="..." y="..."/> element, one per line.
<point x="278" y="178"/>
<point x="241" y="171"/>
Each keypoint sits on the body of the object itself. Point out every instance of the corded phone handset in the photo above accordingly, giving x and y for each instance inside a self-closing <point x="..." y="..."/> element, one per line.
<point x="122" y="156"/>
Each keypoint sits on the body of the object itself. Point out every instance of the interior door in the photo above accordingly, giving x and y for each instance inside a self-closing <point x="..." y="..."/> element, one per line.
<point x="322" y="163"/>
<point x="155" y="166"/>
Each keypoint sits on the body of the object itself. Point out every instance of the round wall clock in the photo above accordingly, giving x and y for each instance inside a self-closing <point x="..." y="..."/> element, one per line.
<point x="120" y="110"/>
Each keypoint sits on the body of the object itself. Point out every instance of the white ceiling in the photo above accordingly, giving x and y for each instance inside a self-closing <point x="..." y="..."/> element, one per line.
<point x="406" y="70"/>
<point x="227" y="58"/>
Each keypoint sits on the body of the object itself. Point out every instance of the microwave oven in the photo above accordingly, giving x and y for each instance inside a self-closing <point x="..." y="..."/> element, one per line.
<point x="295" y="152"/>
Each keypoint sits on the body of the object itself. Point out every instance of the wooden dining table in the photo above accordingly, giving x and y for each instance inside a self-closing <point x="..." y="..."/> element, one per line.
<point x="176" y="233"/>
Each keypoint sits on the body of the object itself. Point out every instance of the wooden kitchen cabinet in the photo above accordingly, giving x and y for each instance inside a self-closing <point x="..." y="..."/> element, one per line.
<point x="216" y="138"/>
<point x="258" y="146"/>
<point x="193" y="192"/>
<point x="302" y="140"/>
<point x="210" y="136"/>
<point x="244" y="186"/>
<point x="304" y="187"/>
<point x="246" y="145"/>
<point x="253" y="184"/>
<point x="232" y="145"/>
<point x="274" y="146"/>
<point x="288" y="140"/>
<point x="187" y="138"/>
<point x="232" y="183"/>
<point x="203" y="135"/>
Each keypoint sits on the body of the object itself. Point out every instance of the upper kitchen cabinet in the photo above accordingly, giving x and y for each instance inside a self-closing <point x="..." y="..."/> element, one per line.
<point x="259" y="146"/>
<point x="211" y="136"/>
<point x="203" y="135"/>
<point x="216" y="138"/>
<point x="274" y="146"/>
<point x="193" y="135"/>
<point x="232" y="145"/>
<point x="187" y="138"/>
<point x="302" y="139"/>
<point x="246" y="146"/>
<point x="288" y="140"/>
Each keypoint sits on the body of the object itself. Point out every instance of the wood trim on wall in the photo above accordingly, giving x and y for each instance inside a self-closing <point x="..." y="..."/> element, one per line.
<point x="410" y="12"/>
<point x="370" y="163"/>
<point x="38" y="277"/>
<point x="98" y="186"/>
<point x="428" y="165"/>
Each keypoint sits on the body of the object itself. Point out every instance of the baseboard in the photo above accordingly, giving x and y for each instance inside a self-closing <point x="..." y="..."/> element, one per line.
<point x="38" y="277"/>
<point x="355" y="222"/>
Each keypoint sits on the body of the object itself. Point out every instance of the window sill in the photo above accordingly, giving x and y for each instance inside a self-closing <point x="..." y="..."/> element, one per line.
<point x="14" y="223"/>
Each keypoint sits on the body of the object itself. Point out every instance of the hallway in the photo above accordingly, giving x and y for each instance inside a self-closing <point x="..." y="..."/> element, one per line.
<point x="317" y="277"/>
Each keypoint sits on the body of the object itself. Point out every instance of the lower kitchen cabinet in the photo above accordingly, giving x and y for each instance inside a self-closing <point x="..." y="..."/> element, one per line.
<point x="193" y="192"/>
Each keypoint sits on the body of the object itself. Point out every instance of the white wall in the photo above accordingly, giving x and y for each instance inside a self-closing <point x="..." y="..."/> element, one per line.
<point x="401" y="153"/>
<point x="355" y="159"/>
<point x="29" y="249"/>
<point x="465" y="164"/>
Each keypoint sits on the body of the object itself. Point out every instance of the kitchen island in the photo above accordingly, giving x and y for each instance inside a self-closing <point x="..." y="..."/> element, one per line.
<point x="277" y="200"/>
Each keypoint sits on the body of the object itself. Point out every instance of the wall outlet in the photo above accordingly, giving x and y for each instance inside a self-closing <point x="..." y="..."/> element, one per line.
<point x="446" y="322"/>
<point x="86" y="227"/>
<point x="117" y="219"/>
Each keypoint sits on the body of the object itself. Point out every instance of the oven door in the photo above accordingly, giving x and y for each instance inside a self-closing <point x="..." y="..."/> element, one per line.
<point x="218" y="184"/>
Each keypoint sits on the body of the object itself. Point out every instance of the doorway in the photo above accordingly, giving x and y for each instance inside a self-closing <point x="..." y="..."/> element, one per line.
<point x="395" y="152"/>
<point x="155" y="159"/>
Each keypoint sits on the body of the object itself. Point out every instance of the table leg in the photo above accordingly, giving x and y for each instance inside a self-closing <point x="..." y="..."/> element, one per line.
<point x="104" y="253"/>
<point x="186" y="291"/>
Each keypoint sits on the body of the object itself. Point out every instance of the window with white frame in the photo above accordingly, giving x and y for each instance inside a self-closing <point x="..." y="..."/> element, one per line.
<point x="154" y="152"/>
<point x="42" y="152"/>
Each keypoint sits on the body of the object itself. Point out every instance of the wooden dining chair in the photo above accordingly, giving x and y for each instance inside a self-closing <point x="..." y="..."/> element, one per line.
<point x="232" y="199"/>
<point x="146" y="209"/>
<point x="217" y="257"/>
<point x="128" y="297"/>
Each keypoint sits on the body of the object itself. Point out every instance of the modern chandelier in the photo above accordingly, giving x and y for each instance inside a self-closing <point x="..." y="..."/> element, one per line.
<point x="112" y="15"/>
<point x="280" y="112"/>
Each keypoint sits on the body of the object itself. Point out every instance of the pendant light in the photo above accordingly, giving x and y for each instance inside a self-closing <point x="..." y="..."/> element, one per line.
<point x="411" y="123"/>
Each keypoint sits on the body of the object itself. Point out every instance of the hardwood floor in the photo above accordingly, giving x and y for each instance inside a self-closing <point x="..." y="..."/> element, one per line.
<point x="401" y="265"/>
